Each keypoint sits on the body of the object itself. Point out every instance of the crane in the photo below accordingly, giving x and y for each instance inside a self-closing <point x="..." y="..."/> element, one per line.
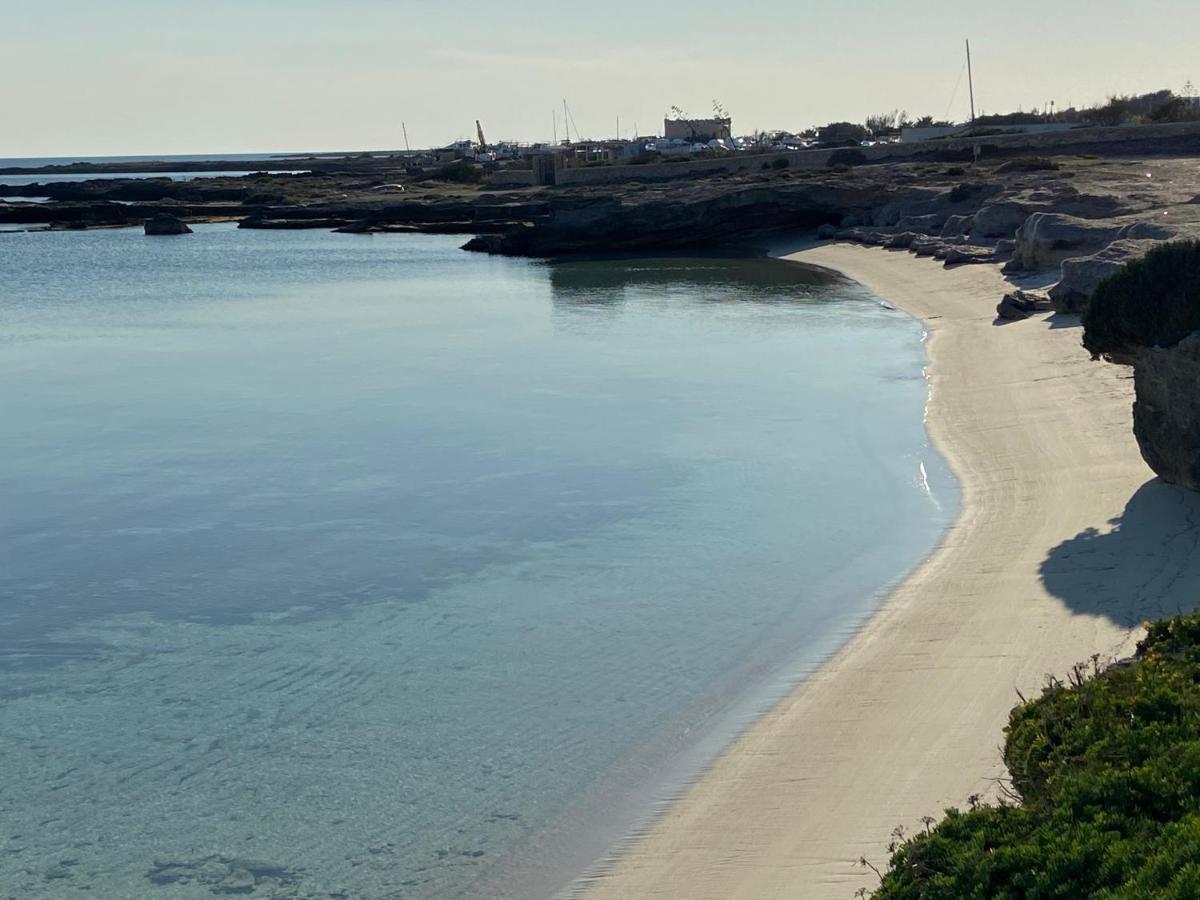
<point x="479" y="131"/>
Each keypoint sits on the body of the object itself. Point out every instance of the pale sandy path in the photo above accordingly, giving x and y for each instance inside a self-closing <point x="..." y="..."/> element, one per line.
<point x="908" y="718"/>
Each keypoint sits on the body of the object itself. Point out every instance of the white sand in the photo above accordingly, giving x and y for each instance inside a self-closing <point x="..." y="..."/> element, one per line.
<point x="908" y="718"/>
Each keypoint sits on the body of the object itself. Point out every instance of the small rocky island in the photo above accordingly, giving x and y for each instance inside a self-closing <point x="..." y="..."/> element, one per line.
<point x="166" y="224"/>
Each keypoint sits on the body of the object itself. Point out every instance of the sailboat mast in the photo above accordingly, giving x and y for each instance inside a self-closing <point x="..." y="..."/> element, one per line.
<point x="971" y="82"/>
<point x="566" y="121"/>
<point x="404" y="127"/>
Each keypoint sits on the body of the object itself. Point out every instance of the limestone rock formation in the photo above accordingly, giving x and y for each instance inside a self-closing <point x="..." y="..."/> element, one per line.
<point x="998" y="220"/>
<point x="1021" y="305"/>
<point x="957" y="226"/>
<point x="166" y="224"/>
<point x="901" y="241"/>
<point x="1083" y="274"/>
<point x="1166" y="414"/>
<point x="1046" y="239"/>
<point x="966" y="255"/>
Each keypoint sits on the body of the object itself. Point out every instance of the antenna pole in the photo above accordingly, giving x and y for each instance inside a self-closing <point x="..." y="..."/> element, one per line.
<point x="971" y="82"/>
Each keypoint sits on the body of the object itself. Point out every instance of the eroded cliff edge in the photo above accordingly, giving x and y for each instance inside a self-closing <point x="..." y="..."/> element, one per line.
<point x="1147" y="316"/>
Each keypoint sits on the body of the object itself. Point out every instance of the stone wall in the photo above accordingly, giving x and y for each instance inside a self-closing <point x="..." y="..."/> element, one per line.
<point x="511" y="178"/>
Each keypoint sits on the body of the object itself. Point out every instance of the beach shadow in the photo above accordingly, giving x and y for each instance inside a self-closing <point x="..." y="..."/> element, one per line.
<point x="1145" y="567"/>
<point x="1032" y="281"/>
<point x="1065" y="320"/>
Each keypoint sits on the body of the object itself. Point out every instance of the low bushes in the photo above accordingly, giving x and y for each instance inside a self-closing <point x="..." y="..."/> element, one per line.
<point x="1106" y="792"/>
<point x="461" y="172"/>
<point x="1152" y="301"/>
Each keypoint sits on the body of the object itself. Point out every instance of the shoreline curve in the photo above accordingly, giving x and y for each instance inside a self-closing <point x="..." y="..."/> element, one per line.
<point x="907" y="718"/>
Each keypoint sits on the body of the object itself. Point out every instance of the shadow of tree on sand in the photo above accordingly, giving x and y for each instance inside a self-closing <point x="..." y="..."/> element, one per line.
<point x="1146" y="567"/>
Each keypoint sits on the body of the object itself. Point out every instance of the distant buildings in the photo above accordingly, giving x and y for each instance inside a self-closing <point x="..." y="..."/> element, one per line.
<point x="698" y="131"/>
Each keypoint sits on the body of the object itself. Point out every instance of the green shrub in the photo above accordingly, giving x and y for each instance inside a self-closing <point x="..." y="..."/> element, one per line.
<point x="1107" y="771"/>
<point x="461" y="172"/>
<point x="1177" y="109"/>
<point x="1152" y="301"/>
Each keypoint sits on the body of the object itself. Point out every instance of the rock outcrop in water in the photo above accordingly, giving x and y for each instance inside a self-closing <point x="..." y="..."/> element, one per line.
<point x="698" y="215"/>
<point x="1078" y="219"/>
<point x="166" y="224"/>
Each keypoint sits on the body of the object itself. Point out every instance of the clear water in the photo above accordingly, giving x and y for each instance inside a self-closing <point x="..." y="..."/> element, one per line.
<point x="338" y="566"/>
<point x="45" y="178"/>
<point x="10" y="162"/>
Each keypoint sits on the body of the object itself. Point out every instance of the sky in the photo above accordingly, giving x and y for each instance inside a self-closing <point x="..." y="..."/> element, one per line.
<point x="124" y="77"/>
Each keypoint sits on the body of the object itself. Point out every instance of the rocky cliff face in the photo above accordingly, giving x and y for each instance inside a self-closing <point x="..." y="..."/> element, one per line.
<point x="687" y="216"/>
<point x="1166" y="414"/>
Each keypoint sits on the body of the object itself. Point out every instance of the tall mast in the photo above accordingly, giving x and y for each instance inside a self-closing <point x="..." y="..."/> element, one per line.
<point x="971" y="82"/>
<point x="554" y="116"/>
<point x="405" y="129"/>
<point x="566" y="121"/>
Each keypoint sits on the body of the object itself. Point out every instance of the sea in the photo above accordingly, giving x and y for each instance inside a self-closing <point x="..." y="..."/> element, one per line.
<point x="345" y="566"/>
<point x="29" y="162"/>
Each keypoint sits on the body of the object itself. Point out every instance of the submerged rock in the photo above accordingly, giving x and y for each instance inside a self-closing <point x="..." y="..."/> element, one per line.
<point x="166" y="224"/>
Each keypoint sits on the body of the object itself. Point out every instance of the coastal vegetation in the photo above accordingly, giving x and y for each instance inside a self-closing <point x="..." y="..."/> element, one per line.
<point x="1154" y="108"/>
<point x="1151" y="302"/>
<point x="1105" y="794"/>
<point x="459" y="172"/>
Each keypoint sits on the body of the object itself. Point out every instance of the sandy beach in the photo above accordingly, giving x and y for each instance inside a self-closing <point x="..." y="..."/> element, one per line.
<point x="1064" y="545"/>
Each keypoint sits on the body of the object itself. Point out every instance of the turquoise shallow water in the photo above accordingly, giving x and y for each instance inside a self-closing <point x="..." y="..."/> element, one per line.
<point x="347" y="566"/>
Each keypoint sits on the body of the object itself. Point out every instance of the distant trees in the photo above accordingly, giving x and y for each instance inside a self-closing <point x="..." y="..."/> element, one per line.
<point x="928" y="122"/>
<point x="1157" y="107"/>
<point x="843" y="133"/>
<point x="886" y="123"/>
<point x="460" y="172"/>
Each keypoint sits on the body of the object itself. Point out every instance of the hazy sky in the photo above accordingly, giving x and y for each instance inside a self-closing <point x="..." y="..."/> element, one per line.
<point x="149" y="76"/>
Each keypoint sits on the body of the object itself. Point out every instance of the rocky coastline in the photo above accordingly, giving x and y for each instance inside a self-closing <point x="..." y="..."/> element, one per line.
<point x="1066" y="221"/>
